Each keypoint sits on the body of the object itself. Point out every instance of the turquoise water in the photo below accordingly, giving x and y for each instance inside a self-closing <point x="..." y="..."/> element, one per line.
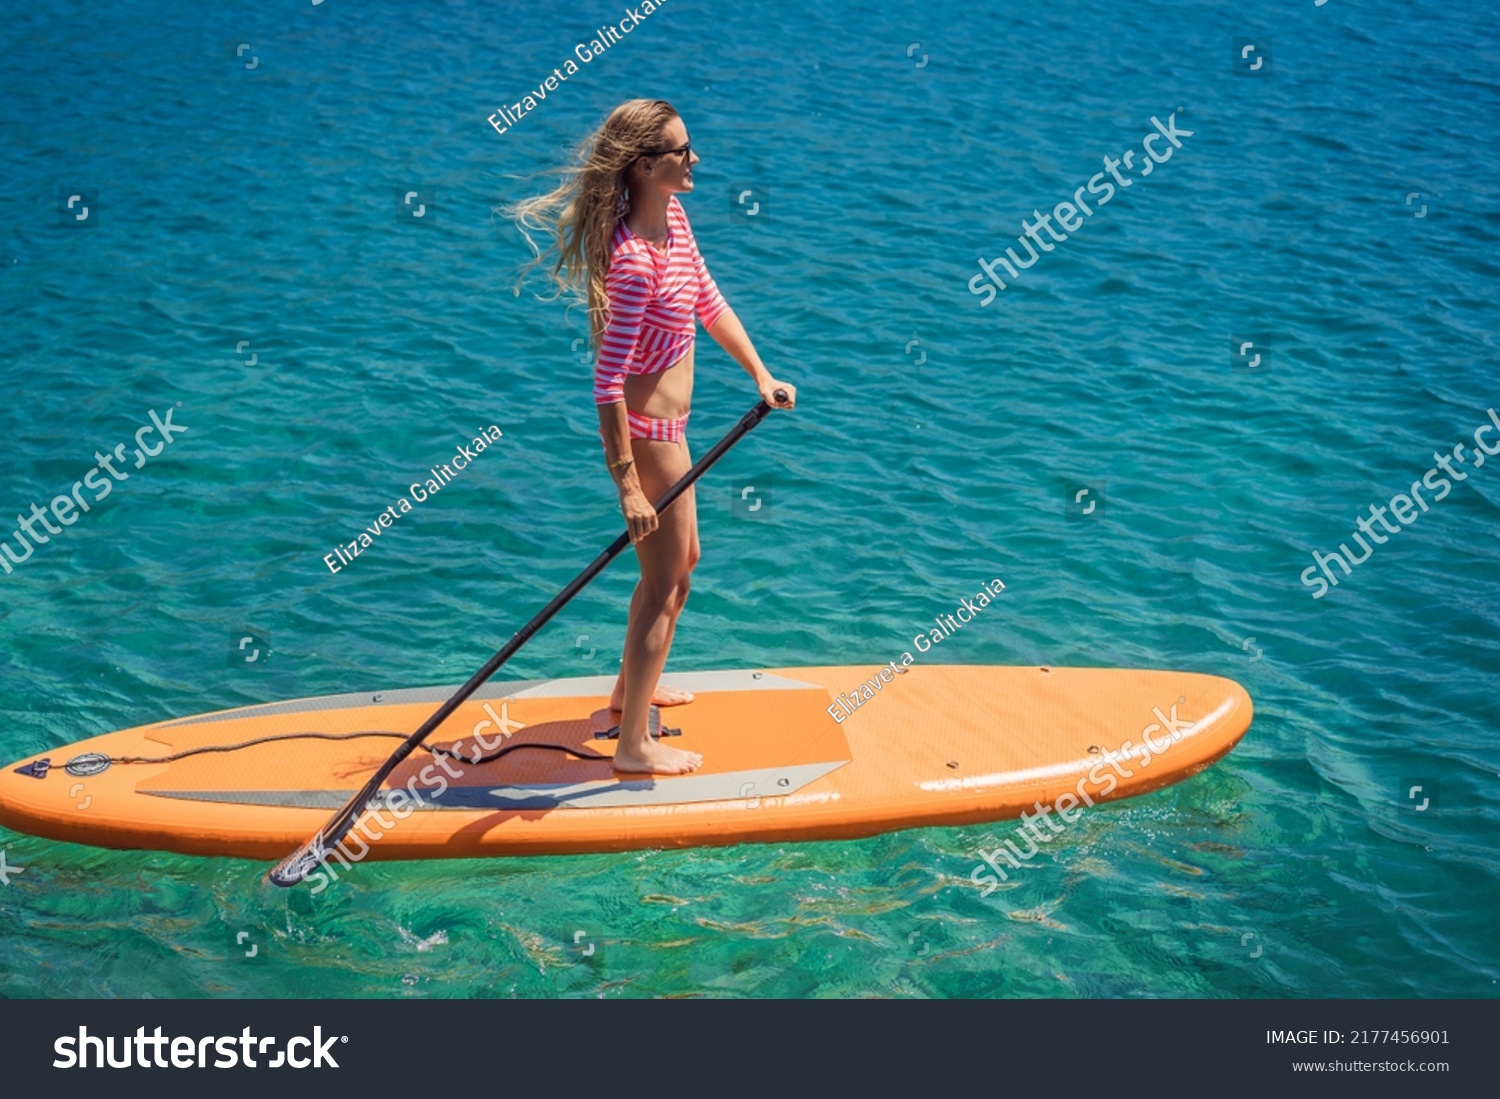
<point x="251" y="258"/>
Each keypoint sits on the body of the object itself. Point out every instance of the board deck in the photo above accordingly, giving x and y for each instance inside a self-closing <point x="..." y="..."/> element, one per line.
<point x="936" y="745"/>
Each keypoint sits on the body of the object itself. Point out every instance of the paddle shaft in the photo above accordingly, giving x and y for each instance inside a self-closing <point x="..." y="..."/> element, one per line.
<point x="344" y="820"/>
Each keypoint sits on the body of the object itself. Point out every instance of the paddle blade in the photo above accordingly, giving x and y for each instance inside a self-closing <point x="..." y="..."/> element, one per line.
<point x="295" y="868"/>
<point x="304" y="861"/>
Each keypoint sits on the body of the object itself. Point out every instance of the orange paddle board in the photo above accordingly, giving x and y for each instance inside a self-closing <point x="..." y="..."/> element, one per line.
<point x="789" y="754"/>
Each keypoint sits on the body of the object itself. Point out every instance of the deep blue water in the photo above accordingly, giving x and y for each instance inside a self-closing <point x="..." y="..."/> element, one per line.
<point x="248" y="256"/>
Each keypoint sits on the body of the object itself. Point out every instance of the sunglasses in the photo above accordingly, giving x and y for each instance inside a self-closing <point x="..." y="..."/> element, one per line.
<point x="686" y="150"/>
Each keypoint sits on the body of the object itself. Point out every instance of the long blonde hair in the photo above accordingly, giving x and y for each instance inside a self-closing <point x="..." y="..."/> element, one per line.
<point x="581" y="212"/>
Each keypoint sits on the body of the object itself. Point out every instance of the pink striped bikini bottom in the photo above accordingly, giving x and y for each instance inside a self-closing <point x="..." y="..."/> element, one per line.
<point x="645" y="427"/>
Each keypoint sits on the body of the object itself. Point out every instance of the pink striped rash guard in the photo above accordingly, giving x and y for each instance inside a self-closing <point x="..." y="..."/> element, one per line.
<point x="652" y="300"/>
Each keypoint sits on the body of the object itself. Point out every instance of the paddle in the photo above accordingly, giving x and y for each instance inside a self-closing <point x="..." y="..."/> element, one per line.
<point x="307" y="858"/>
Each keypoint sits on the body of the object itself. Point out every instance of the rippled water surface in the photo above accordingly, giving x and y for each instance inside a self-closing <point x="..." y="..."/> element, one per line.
<point x="249" y="257"/>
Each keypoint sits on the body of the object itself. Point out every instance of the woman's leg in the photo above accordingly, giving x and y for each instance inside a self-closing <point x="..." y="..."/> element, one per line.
<point x="661" y="694"/>
<point x="666" y="557"/>
<point x="664" y="694"/>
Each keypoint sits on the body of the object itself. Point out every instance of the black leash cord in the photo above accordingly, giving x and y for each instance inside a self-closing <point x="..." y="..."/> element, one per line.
<point x="309" y="735"/>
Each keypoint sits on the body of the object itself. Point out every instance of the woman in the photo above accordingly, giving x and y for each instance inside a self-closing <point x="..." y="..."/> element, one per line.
<point x="622" y="238"/>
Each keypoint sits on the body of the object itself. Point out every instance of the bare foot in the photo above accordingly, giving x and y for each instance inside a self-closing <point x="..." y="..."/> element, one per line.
<point x="664" y="696"/>
<point x="656" y="758"/>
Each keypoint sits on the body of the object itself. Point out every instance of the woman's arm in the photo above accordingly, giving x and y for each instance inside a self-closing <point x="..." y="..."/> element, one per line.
<point x="640" y="516"/>
<point x="730" y="334"/>
<point x="628" y="286"/>
<point x="721" y="322"/>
